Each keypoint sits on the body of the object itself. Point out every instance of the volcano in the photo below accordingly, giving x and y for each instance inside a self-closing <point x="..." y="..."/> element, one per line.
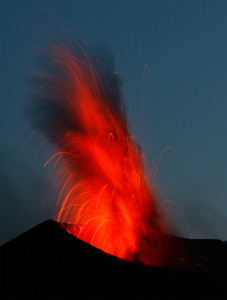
<point x="47" y="262"/>
<point x="110" y="237"/>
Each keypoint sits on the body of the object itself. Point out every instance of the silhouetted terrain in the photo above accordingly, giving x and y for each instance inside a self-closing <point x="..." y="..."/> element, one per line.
<point x="48" y="262"/>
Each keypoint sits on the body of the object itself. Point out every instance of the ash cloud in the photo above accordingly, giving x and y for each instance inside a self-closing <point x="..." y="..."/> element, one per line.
<point x="46" y="109"/>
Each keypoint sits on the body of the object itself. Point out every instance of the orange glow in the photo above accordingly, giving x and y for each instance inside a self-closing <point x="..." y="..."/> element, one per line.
<point x="105" y="190"/>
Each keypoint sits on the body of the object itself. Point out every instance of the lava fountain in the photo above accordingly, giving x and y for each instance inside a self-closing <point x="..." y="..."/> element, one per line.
<point x="105" y="191"/>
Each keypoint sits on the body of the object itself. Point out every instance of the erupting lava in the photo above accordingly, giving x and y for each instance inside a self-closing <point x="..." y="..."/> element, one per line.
<point x="105" y="191"/>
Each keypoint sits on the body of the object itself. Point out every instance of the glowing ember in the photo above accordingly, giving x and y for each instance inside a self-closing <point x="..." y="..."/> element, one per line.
<point x="105" y="188"/>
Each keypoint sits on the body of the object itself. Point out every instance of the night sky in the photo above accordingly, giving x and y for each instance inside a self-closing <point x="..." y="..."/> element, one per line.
<point x="172" y="58"/>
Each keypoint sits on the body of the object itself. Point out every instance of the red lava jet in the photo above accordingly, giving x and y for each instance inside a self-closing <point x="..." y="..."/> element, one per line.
<point x="104" y="188"/>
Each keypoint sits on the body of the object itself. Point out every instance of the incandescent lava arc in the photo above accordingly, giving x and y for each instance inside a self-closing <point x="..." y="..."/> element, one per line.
<point x="77" y="103"/>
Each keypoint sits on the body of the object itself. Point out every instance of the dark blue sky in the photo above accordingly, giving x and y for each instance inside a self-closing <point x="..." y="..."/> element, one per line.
<point x="179" y="103"/>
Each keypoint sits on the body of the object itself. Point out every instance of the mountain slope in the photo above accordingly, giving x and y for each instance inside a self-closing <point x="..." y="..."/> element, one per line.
<point x="48" y="262"/>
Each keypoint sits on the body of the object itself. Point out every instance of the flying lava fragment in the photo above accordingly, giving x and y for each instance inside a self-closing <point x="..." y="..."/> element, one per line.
<point x="104" y="192"/>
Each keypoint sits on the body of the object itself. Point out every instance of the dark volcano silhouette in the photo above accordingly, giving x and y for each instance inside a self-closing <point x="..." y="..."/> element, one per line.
<point x="47" y="262"/>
